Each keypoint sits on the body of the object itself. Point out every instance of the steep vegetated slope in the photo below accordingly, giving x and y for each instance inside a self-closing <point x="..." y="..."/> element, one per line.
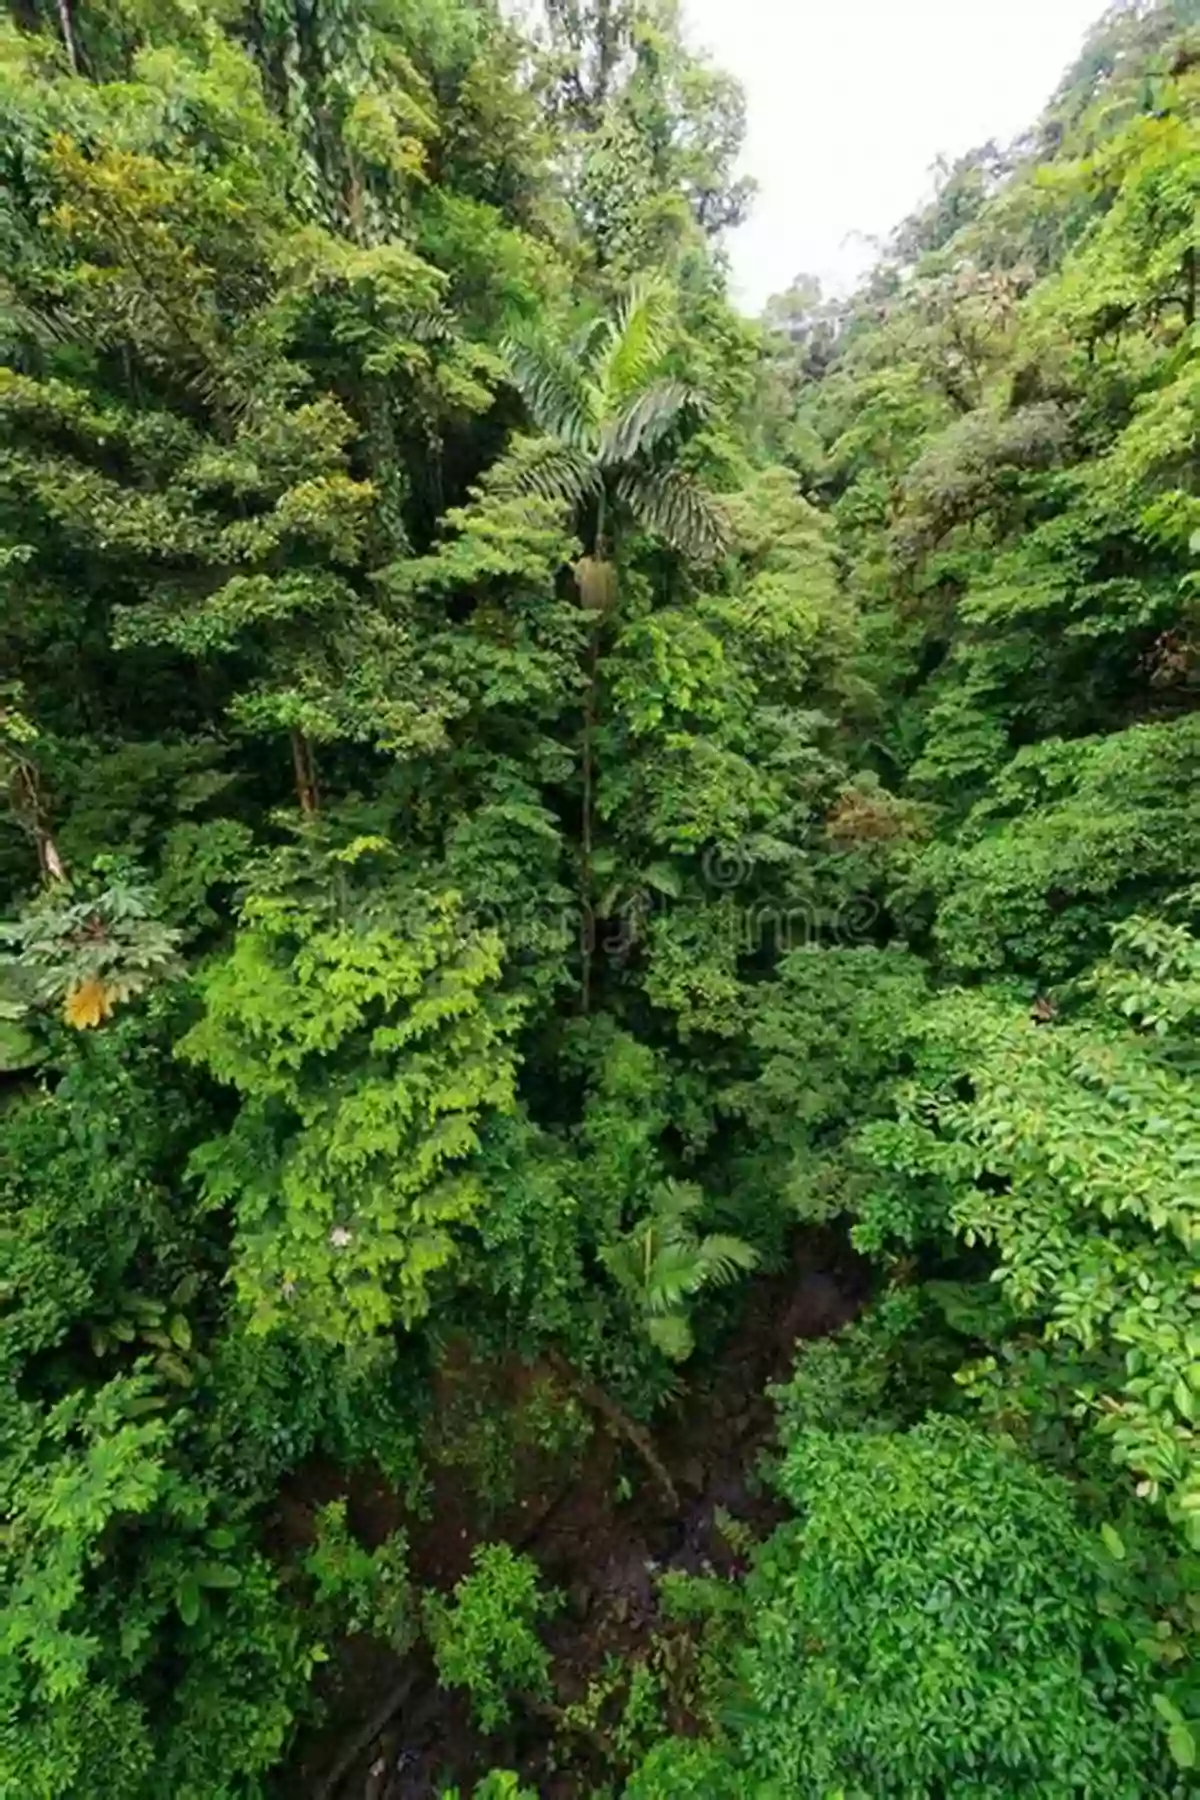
<point x="559" y="841"/>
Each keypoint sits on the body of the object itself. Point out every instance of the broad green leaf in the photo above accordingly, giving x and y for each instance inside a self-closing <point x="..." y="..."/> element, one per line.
<point x="188" y="1599"/>
<point x="1182" y="1742"/>
<point x="1113" y="1543"/>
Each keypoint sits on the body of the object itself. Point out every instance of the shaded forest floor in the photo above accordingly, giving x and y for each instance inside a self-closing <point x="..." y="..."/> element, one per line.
<point x="602" y="1532"/>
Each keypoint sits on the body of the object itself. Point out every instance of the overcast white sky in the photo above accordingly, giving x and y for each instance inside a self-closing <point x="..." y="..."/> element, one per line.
<point x="851" y="101"/>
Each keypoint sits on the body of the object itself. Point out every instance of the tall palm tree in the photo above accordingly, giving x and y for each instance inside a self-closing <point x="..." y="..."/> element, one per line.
<point x="606" y="407"/>
<point x="609" y="415"/>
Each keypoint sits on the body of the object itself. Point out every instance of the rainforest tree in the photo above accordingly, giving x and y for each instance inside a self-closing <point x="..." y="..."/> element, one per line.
<point x="557" y="835"/>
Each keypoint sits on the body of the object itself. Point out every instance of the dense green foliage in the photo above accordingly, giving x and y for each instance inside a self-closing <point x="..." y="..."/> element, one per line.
<point x="485" y="1640"/>
<point x="1012" y="1690"/>
<point x="530" y="797"/>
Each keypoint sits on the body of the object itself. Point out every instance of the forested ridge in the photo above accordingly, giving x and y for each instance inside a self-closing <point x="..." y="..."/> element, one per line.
<point x="599" y="1104"/>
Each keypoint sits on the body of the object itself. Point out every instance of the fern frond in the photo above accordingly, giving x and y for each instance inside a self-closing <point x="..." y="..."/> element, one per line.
<point x="672" y="1335"/>
<point x="674" y="1204"/>
<point x="673" y="506"/>
<point x="722" y="1259"/>
<point x="624" y="1263"/>
<point x="676" y="1272"/>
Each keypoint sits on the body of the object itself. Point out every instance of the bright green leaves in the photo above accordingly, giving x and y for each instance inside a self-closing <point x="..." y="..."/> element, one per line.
<point x="665" y="1261"/>
<point x="498" y="1784"/>
<point x="681" y="1769"/>
<point x="109" y="1556"/>
<point x="1152" y="977"/>
<point x="929" y="1625"/>
<point x="369" y="1046"/>
<point x="110" y="1469"/>
<point x="713" y="755"/>
<point x="1131" y="268"/>
<point x="1181" y="1738"/>
<point x="264" y="500"/>
<point x="253" y="289"/>
<point x="357" y="1589"/>
<point x="1070" y="1149"/>
<point x="486" y="1641"/>
<point x="934" y="1618"/>
<point x="1068" y="838"/>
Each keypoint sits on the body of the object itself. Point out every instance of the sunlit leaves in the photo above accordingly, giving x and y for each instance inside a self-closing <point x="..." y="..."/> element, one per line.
<point x="929" y="1621"/>
<point x="485" y="1639"/>
<point x="368" y="1051"/>
<point x="1069" y="1148"/>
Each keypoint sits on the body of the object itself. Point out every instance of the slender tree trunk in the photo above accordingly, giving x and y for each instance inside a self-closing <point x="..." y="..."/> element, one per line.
<point x="306" y="774"/>
<point x="68" y="31"/>
<point x="1189" y="317"/>
<point x="27" y="805"/>
<point x="49" y="861"/>
<point x="587" y="924"/>
<point x="608" y="52"/>
<point x="587" y="828"/>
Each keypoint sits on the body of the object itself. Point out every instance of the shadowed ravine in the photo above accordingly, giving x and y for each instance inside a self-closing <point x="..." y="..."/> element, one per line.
<point x="604" y="1552"/>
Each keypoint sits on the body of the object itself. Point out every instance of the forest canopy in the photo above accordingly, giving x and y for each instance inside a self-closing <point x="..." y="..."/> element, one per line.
<point x="599" y="977"/>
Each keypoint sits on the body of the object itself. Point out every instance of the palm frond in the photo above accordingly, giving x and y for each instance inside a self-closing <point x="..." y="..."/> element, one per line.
<point x="637" y="342"/>
<point x="676" y="1272"/>
<point x="20" y="323"/>
<point x="584" y="346"/>
<point x="673" y="506"/>
<point x="722" y="1259"/>
<point x="645" y="421"/>
<point x="548" y="469"/>
<point x="624" y="1263"/>
<point x="674" y="1204"/>
<point x="551" y="381"/>
<point x="662" y="1264"/>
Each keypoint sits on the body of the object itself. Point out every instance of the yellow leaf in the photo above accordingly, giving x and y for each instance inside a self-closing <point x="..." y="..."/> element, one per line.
<point x="87" y="1004"/>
